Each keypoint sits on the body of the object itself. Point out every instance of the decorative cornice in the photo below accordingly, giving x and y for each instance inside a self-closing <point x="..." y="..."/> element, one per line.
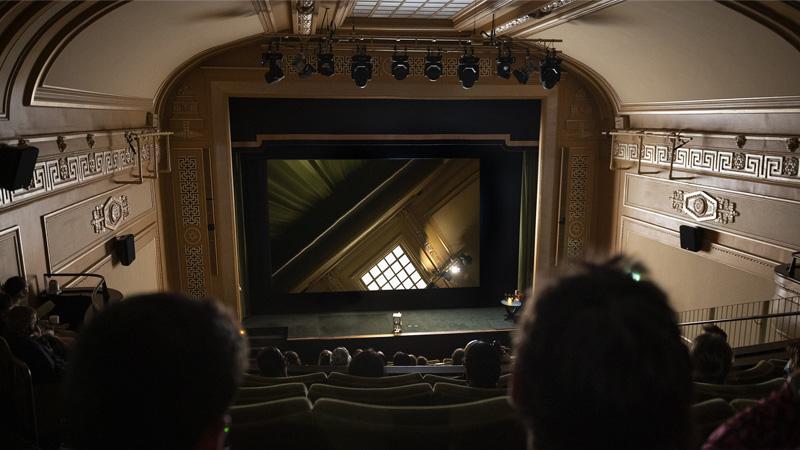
<point x="782" y="104"/>
<point x="72" y="98"/>
<point x="554" y="14"/>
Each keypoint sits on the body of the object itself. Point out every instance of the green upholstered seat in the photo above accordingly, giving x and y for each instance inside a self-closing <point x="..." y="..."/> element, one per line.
<point x="412" y="394"/>
<point x="308" y="379"/>
<point x="447" y="393"/>
<point x="259" y="394"/>
<point x="346" y="380"/>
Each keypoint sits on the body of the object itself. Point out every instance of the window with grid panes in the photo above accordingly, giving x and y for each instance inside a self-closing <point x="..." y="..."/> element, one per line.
<point x="394" y="271"/>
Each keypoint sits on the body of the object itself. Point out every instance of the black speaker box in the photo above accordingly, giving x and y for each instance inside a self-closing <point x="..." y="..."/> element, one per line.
<point x="691" y="238"/>
<point x="16" y="166"/>
<point x="125" y="249"/>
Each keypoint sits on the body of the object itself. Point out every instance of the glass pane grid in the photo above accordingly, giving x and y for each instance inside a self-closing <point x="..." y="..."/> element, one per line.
<point x="418" y="9"/>
<point x="394" y="271"/>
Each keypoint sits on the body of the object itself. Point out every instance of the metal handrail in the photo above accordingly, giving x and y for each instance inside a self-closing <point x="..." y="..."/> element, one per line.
<point x="734" y="319"/>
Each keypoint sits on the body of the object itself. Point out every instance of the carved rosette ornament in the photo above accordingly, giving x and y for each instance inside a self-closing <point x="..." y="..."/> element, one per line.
<point x="110" y="214"/>
<point x="703" y="207"/>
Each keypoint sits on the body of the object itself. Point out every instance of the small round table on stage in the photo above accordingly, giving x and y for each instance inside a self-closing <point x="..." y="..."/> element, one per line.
<point x="512" y="306"/>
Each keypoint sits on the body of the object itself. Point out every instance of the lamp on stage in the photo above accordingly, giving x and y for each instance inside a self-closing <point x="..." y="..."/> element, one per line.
<point x="397" y="323"/>
<point x="512" y="304"/>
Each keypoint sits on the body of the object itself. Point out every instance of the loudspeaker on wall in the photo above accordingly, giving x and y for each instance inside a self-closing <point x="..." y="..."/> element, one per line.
<point x="691" y="238"/>
<point x="125" y="249"/>
<point x="16" y="166"/>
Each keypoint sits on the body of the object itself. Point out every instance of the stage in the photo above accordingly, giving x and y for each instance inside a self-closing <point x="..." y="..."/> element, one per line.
<point x="433" y="333"/>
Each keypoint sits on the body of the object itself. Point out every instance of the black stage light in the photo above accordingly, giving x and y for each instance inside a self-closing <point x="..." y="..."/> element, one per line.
<point x="468" y="70"/>
<point x="523" y="74"/>
<point x="400" y="66"/>
<point x="361" y="67"/>
<point x="504" y="62"/>
<point x="550" y="70"/>
<point x="325" y="64"/>
<point x="433" y="66"/>
<point x="274" y="63"/>
<point x="301" y="65"/>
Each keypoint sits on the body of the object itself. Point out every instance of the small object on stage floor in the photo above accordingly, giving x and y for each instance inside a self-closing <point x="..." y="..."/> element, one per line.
<point x="512" y="304"/>
<point x="397" y="322"/>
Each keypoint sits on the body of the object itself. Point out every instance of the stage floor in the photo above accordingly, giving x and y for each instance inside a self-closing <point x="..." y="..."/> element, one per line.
<point x="372" y="324"/>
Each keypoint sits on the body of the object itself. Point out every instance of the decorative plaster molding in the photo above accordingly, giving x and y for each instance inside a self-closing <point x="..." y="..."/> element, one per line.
<point x="108" y="215"/>
<point x="194" y="266"/>
<point x="580" y="166"/>
<point x="702" y="206"/>
<point x="731" y="163"/>
<point x="781" y="104"/>
<point x="75" y="98"/>
<point x="68" y="171"/>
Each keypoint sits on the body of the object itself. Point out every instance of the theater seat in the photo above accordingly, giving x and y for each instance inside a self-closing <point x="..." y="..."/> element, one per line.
<point x="279" y="424"/>
<point x="447" y="393"/>
<point x="763" y="371"/>
<point x="707" y="416"/>
<point x="17" y="408"/>
<point x="433" y="379"/>
<point x="249" y="395"/>
<point x="413" y="394"/>
<point x="346" y="380"/>
<point x="308" y="379"/>
<point x="740" y="404"/>
<point x="485" y="424"/>
<point x="706" y="391"/>
<point x="504" y="380"/>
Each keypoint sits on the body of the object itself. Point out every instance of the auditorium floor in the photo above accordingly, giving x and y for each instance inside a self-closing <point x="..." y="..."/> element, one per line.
<point x="372" y="324"/>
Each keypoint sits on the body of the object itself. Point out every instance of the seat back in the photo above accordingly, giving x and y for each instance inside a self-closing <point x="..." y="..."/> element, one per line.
<point x="433" y="379"/>
<point x="707" y="416"/>
<point x="763" y="371"/>
<point x="483" y="424"/>
<point x="412" y="394"/>
<point x="740" y="404"/>
<point x="346" y="380"/>
<point x="284" y="424"/>
<point x="260" y="394"/>
<point x="17" y="407"/>
<point x="447" y="393"/>
<point x="308" y="379"/>
<point x="707" y="391"/>
<point x="504" y="380"/>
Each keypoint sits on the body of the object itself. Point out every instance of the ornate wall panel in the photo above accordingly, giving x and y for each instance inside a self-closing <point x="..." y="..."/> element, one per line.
<point x="188" y="185"/>
<point x="580" y="168"/>
<point x="12" y="261"/>
<point x="72" y="230"/>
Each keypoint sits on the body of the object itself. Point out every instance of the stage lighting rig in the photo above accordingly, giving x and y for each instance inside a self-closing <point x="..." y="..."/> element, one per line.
<point x="468" y="68"/>
<point x="523" y="74"/>
<point x="504" y="61"/>
<point x="273" y="60"/>
<point x="301" y="65"/>
<point x="325" y="59"/>
<point x="361" y="67"/>
<point x="433" y="65"/>
<point x="400" y="65"/>
<point x="550" y="69"/>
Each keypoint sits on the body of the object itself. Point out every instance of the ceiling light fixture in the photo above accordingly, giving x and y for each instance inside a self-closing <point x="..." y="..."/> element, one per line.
<point x="361" y="67"/>
<point x="550" y="69"/>
<point x="273" y="60"/>
<point x="468" y="68"/>
<point x="433" y="65"/>
<point x="400" y="65"/>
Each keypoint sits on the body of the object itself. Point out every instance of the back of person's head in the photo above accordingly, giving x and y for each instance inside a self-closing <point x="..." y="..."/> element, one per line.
<point x="340" y="357"/>
<point x="482" y="365"/>
<point x="710" y="328"/>
<point x="271" y="362"/>
<point x="324" y="358"/>
<point x="411" y="360"/>
<point x="422" y="361"/>
<point x="292" y="358"/>
<point x="367" y="363"/>
<point x="21" y="320"/>
<point x="712" y="358"/>
<point x="382" y="356"/>
<point x="403" y="359"/>
<point x="154" y="372"/>
<point x="6" y="303"/>
<point x="458" y="356"/>
<point x="601" y="353"/>
<point x="16" y="288"/>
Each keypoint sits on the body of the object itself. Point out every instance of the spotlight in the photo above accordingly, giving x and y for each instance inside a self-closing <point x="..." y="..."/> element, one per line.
<point x="504" y="62"/>
<point x="325" y="61"/>
<point x="455" y="269"/>
<point x="468" y="69"/>
<point x="400" y="66"/>
<point x="523" y="75"/>
<point x="301" y="65"/>
<point x="361" y="67"/>
<point x="433" y="65"/>
<point x="274" y="63"/>
<point x="550" y="70"/>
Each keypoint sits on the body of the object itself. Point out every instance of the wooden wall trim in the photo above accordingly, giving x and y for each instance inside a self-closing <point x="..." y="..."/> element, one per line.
<point x="13" y="234"/>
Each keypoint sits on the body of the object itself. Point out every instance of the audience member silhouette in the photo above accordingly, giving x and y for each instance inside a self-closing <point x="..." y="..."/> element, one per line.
<point x="17" y="289"/>
<point x="366" y="363"/>
<point x="6" y="303"/>
<point x="482" y="365"/>
<point x="156" y="372"/>
<point x="402" y="359"/>
<point x="324" y="358"/>
<point x="710" y="328"/>
<point x="340" y="357"/>
<point x="271" y="362"/>
<point x="601" y="365"/>
<point x="712" y="358"/>
<point x="422" y="361"/>
<point x="25" y="340"/>
<point x="292" y="358"/>
<point x="458" y="356"/>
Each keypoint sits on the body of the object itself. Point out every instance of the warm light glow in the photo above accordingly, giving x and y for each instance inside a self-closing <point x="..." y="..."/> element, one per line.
<point x="455" y="268"/>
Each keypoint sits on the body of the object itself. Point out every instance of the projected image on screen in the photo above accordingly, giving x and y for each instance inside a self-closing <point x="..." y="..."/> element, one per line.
<point x="373" y="224"/>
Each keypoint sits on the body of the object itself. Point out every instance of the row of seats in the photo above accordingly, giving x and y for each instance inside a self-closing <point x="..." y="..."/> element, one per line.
<point x="419" y="394"/>
<point x="764" y="370"/>
<point x="347" y="380"/>
<point x="295" y="423"/>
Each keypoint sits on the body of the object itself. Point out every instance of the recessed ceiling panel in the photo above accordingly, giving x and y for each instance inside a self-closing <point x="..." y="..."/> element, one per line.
<point x="409" y="9"/>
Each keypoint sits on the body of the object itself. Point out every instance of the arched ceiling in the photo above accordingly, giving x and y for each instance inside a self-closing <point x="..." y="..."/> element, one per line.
<point x="647" y="51"/>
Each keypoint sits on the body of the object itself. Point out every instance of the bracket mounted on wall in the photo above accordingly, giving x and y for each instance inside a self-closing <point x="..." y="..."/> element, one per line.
<point x="134" y="140"/>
